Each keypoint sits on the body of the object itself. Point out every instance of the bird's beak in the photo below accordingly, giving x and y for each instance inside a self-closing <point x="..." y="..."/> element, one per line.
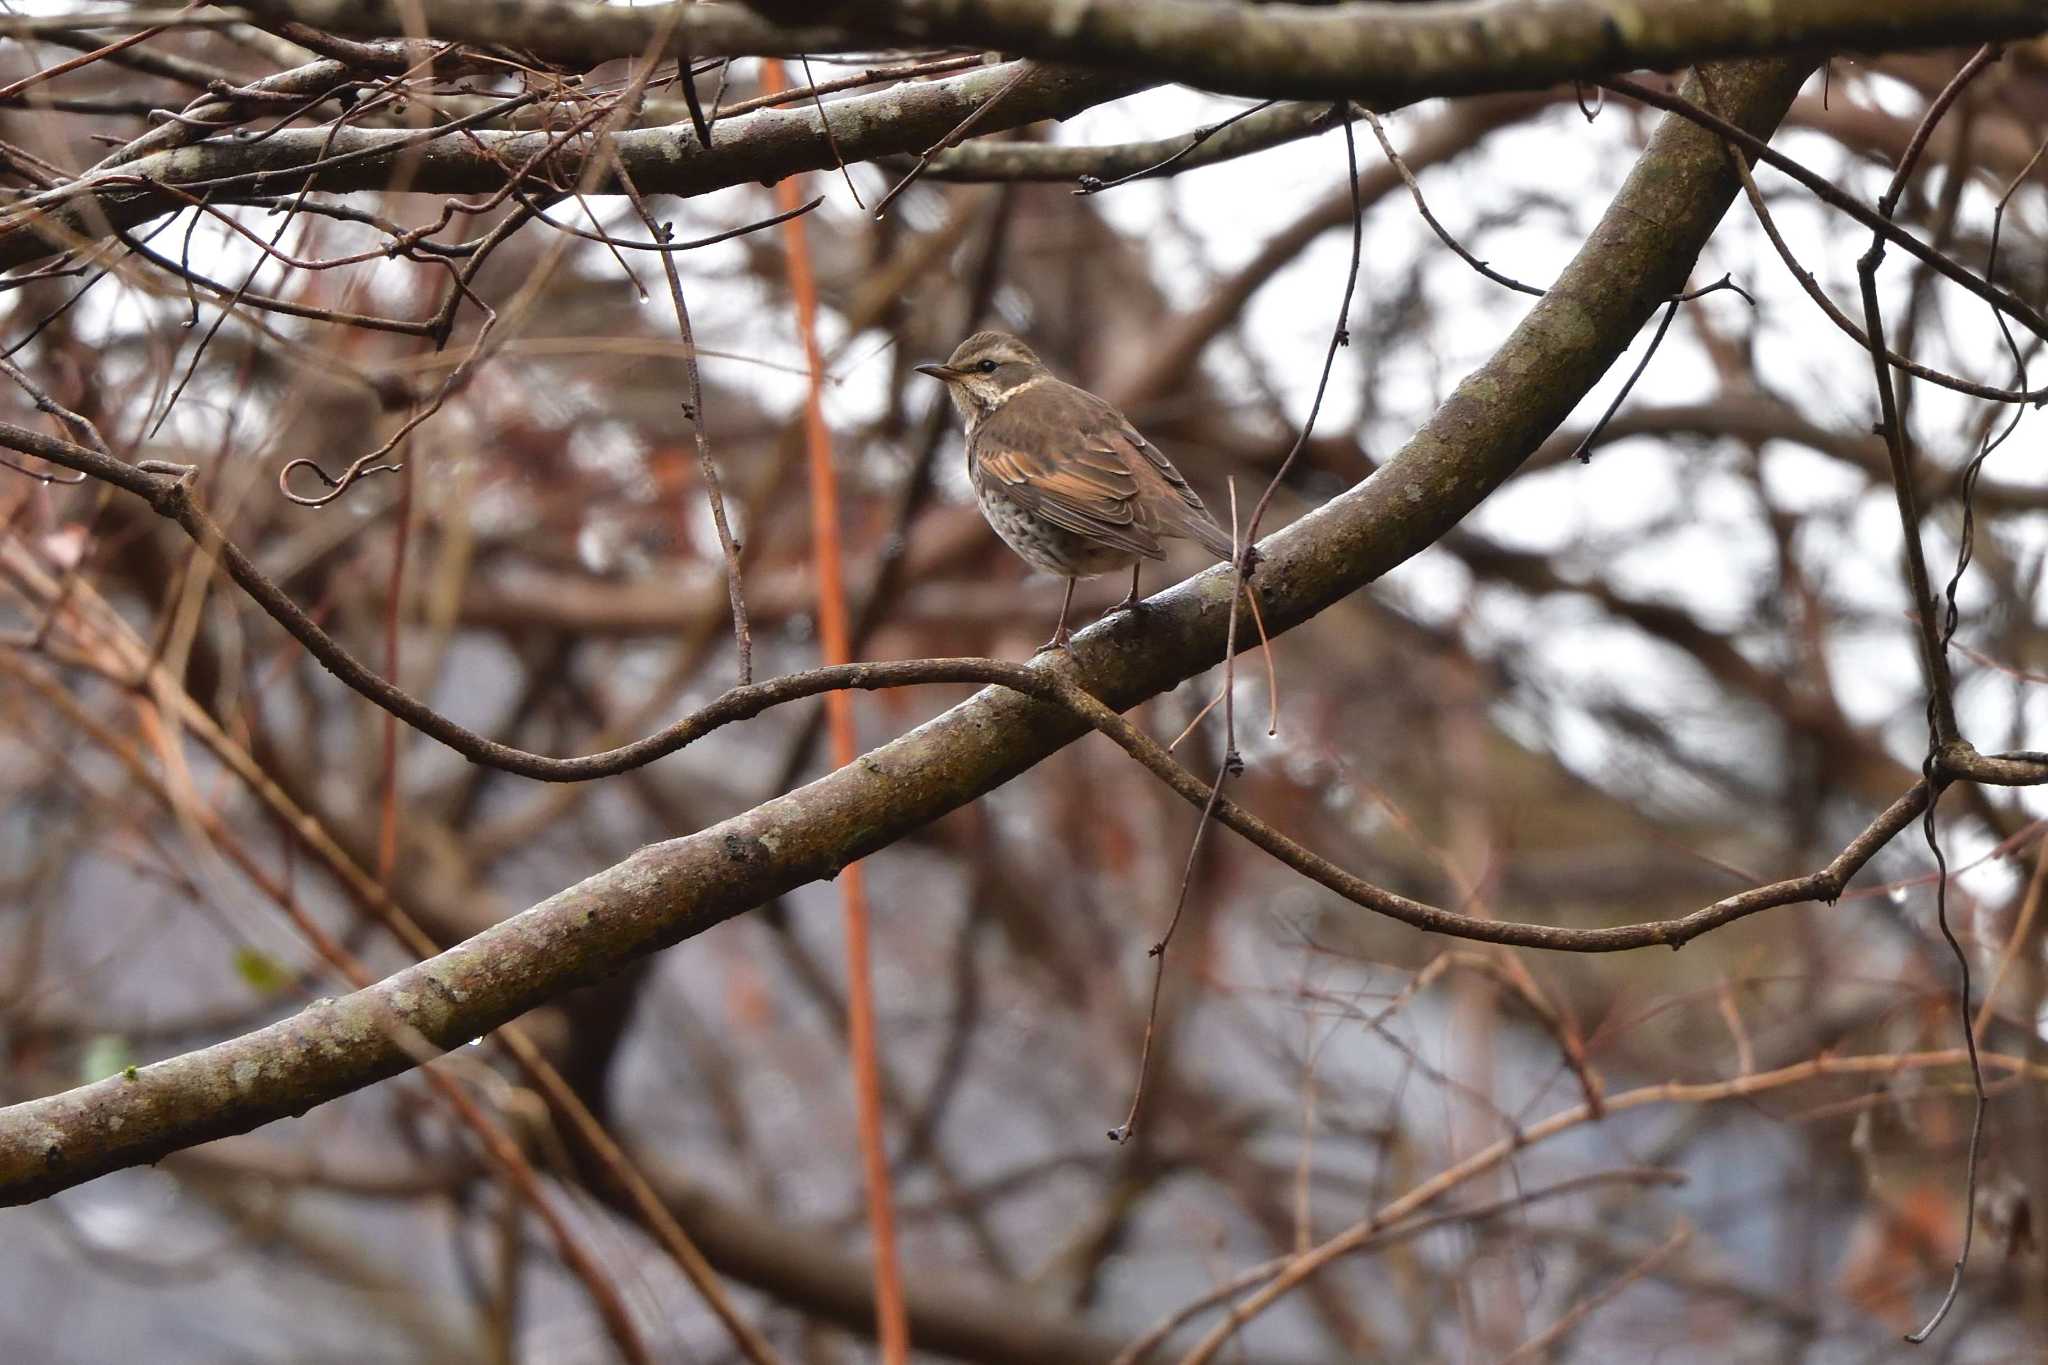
<point x="945" y="374"/>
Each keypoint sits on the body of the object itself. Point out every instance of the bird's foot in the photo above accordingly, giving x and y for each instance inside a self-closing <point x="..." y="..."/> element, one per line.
<point x="1131" y="603"/>
<point x="1062" y="641"/>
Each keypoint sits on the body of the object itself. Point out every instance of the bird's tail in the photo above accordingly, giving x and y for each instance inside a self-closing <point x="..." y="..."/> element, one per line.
<point x="1202" y="528"/>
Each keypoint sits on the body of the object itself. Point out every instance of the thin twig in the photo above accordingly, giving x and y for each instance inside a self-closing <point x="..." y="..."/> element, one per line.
<point x="872" y="76"/>
<point x="1400" y="1232"/>
<point x="664" y="243"/>
<point x="1982" y="58"/>
<point x="14" y="88"/>
<point x="1415" y="192"/>
<point x="1941" y="715"/>
<point x="1091" y="185"/>
<point x="2030" y="905"/>
<point x="825" y="126"/>
<point x="1832" y="195"/>
<point x="960" y="130"/>
<point x="1538" y="1347"/>
<point x="1300" y="1268"/>
<point x="1340" y="336"/>
<point x="693" y="408"/>
<point x="1842" y="321"/>
<point x="79" y="426"/>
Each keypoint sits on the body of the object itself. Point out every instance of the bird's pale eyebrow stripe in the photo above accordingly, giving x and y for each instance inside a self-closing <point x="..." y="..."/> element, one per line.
<point x="1021" y="386"/>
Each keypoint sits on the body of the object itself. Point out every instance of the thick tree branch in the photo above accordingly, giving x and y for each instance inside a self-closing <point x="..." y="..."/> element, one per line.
<point x="1386" y="53"/>
<point x="762" y="146"/>
<point x="1380" y="52"/>
<point x="1637" y="255"/>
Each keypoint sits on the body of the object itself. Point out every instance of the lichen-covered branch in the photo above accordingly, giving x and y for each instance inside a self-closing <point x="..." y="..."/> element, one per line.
<point x="1381" y="52"/>
<point x="762" y="146"/>
<point x="1387" y="54"/>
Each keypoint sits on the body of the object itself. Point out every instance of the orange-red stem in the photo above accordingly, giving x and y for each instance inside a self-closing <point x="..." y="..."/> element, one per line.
<point x="892" y="1328"/>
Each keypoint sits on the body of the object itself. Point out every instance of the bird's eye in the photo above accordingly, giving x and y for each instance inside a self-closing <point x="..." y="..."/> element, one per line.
<point x="987" y="367"/>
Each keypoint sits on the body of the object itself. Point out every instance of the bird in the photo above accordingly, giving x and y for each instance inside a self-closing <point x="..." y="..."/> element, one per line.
<point x="1062" y="476"/>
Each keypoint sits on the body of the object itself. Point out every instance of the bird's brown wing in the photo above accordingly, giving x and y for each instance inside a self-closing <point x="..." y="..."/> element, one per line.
<point x="1044" y="459"/>
<point x="1166" y="503"/>
<point x="1118" y="437"/>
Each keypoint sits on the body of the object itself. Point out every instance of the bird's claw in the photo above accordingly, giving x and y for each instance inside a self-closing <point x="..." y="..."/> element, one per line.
<point x="1128" y="604"/>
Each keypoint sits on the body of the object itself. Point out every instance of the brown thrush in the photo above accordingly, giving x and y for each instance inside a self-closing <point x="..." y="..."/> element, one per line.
<point x="1061" y="475"/>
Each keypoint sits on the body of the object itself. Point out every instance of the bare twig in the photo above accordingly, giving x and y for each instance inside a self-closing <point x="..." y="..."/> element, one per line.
<point x="960" y="130"/>
<point x="694" y="409"/>
<point x="1539" y="1346"/>
<point x="1584" y="451"/>
<point x="1422" y="207"/>
<point x="1834" y="197"/>
<point x="1245" y="1279"/>
<point x="1340" y="336"/>
<point x="1941" y="713"/>
<point x="1092" y="185"/>
<point x="825" y="127"/>
<point x="1300" y="1268"/>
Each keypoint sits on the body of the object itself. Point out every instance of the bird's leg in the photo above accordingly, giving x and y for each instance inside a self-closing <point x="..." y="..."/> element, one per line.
<point x="1060" y="634"/>
<point x="1130" y="602"/>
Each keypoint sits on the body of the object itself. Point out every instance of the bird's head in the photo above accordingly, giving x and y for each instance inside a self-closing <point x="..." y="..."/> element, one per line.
<point x="984" y="371"/>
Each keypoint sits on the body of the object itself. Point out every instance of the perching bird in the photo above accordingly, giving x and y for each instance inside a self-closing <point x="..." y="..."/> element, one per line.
<point x="1061" y="475"/>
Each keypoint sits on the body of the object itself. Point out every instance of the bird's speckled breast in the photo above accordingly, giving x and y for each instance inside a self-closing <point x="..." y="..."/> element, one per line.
<point x="1043" y="545"/>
